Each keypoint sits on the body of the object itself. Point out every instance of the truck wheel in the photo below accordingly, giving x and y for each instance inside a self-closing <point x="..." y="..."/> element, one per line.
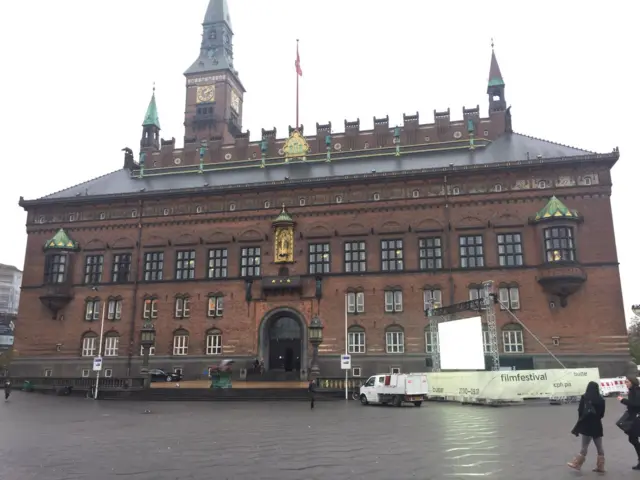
<point x="397" y="401"/>
<point x="417" y="404"/>
<point x="363" y="399"/>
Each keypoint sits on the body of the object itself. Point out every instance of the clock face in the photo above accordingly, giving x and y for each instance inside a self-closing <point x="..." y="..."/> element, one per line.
<point x="235" y="101"/>
<point x="205" y="94"/>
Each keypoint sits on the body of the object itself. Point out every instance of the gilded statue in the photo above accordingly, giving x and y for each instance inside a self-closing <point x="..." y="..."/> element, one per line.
<point x="284" y="245"/>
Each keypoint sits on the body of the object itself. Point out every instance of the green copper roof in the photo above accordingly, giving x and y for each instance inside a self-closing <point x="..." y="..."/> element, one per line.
<point x="151" y="118"/>
<point x="556" y="209"/>
<point x="61" y="241"/>
<point x="284" y="216"/>
<point x="496" y="82"/>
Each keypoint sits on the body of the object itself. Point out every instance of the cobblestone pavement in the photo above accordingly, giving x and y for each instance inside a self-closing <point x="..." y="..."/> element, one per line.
<point x="58" y="438"/>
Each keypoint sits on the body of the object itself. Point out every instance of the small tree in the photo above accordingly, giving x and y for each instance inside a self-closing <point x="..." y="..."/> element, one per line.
<point x="634" y="338"/>
<point x="5" y="359"/>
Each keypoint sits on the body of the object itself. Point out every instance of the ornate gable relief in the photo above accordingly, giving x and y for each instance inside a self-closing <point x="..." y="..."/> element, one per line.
<point x="251" y="235"/>
<point x="95" y="244"/>
<point x="470" y="222"/>
<point x="318" y="231"/>
<point x="479" y="188"/>
<point x="522" y="185"/>
<point x="154" y="241"/>
<point x="435" y="191"/>
<point x="391" y="227"/>
<point x="506" y="219"/>
<point x="187" y="239"/>
<point x="428" y="224"/>
<point x="123" y="242"/>
<point x="565" y="181"/>
<point x="355" y="229"/>
<point x="218" y="237"/>
<point x="589" y="179"/>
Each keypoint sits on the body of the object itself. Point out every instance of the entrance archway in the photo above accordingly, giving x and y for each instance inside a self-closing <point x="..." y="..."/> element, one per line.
<point x="283" y="341"/>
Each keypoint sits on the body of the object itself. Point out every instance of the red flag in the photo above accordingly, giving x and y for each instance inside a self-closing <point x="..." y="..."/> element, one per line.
<point x="298" y="68"/>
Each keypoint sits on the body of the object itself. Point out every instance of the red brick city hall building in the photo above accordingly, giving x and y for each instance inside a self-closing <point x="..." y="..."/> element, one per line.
<point x="196" y="240"/>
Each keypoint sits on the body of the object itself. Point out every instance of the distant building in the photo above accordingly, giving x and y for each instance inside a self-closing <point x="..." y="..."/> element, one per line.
<point x="10" y="281"/>
<point x="231" y="247"/>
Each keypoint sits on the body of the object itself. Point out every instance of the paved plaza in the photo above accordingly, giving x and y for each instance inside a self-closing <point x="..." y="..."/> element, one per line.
<point x="62" y="438"/>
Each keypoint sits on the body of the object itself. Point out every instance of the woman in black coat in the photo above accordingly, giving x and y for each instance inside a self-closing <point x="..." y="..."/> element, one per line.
<point x="589" y="426"/>
<point x="632" y="402"/>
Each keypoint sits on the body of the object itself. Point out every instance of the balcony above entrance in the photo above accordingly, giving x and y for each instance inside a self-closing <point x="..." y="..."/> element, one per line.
<point x="275" y="284"/>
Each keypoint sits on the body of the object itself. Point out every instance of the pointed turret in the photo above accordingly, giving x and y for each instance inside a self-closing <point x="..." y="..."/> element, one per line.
<point x="556" y="210"/>
<point x="495" y="86"/>
<point x="151" y="125"/>
<point x="216" y="50"/>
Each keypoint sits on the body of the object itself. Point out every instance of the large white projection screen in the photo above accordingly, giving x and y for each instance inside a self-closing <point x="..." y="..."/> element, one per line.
<point x="461" y="344"/>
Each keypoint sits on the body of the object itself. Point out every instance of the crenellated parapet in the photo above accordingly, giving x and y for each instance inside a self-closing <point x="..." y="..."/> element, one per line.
<point x="470" y="131"/>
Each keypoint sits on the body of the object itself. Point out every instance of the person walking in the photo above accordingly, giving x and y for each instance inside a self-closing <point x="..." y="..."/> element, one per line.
<point x="589" y="427"/>
<point x="312" y="392"/>
<point x="632" y="402"/>
<point x="7" y="389"/>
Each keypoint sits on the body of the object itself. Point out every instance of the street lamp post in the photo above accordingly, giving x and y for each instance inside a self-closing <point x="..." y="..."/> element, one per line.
<point x="315" y="338"/>
<point x="104" y="305"/>
<point x="147" y="340"/>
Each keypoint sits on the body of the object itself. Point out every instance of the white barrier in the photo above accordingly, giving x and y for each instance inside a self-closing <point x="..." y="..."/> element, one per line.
<point x="611" y="386"/>
<point x="512" y="385"/>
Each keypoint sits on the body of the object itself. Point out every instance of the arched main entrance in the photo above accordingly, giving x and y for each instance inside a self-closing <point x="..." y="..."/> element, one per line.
<point x="283" y="341"/>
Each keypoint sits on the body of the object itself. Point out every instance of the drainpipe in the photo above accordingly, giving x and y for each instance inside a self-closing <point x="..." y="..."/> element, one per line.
<point x="447" y="216"/>
<point x="136" y="279"/>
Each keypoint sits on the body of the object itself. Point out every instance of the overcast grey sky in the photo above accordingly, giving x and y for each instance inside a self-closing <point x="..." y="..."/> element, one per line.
<point x="77" y="77"/>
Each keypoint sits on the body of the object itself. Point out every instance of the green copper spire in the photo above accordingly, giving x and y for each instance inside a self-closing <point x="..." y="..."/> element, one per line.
<point x="284" y="217"/>
<point x="495" y="76"/>
<point x="151" y="118"/>
<point x="61" y="241"/>
<point x="555" y="209"/>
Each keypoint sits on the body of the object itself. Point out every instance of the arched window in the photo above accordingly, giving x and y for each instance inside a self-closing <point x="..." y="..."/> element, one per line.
<point x="394" y="337"/>
<point x="512" y="338"/>
<point x="356" y="339"/>
<point x="111" y="344"/>
<point x="150" y="309"/>
<point x="393" y="300"/>
<point x="89" y="344"/>
<point x="182" y="306"/>
<point x="92" y="309"/>
<point x="213" y="344"/>
<point x="509" y="296"/>
<point x="355" y="300"/>
<point x="180" y="342"/>
<point x="114" y="308"/>
<point x="429" y="340"/>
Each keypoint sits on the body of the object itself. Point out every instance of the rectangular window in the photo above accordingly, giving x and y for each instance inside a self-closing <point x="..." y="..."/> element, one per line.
<point x="218" y="263"/>
<point x="393" y="301"/>
<point x="85" y="373"/>
<point x="182" y="309"/>
<point x="89" y="345"/>
<point x="108" y="372"/>
<point x="356" y="342"/>
<point x="471" y="251"/>
<point x="250" y="261"/>
<point x="509" y="298"/>
<point x="55" y="269"/>
<point x="428" y="341"/>
<point x="356" y="371"/>
<point x="180" y="345"/>
<point x="486" y="340"/>
<point x="114" y="309"/>
<point x="476" y="293"/>
<point x="513" y="341"/>
<point x="185" y="264"/>
<point x="432" y="297"/>
<point x="150" y="309"/>
<point x="48" y="372"/>
<point x="510" y="250"/>
<point x="214" y="344"/>
<point x="153" y="266"/>
<point x="215" y="307"/>
<point x="392" y="254"/>
<point x="430" y="253"/>
<point x="559" y="245"/>
<point x="93" y="265"/>
<point x="355" y="302"/>
<point x="121" y="271"/>
<point x="111" y="345"/>
<point x="152" y="350"/>
<point x="395" y="342"/>
<point x="92" y="310"/>
<point x="355" y="257"/>
<point x="319" y="258"/>
<point x="395" y="370"/>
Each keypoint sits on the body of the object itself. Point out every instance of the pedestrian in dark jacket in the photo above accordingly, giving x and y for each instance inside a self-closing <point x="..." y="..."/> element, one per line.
<point x="312" y="392"/>
<point x="589" y="426"/>
<point x="7" y="389"/>
<point x="632" y="402"/>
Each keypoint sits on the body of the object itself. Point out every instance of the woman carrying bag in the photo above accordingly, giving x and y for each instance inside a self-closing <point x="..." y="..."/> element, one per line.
<point x="589" y="427"/>
<point x="629" y="422"/>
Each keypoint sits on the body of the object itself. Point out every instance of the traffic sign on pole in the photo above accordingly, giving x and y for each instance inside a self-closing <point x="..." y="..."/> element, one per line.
<point x="345" y="362"/>
<point x="97" y="364"/>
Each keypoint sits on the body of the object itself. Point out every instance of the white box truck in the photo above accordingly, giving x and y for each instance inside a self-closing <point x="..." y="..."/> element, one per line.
<point x="395" y="389"/>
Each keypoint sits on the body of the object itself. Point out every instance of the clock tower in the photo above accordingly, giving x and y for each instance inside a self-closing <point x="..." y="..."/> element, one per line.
<point x="214" y="91"/>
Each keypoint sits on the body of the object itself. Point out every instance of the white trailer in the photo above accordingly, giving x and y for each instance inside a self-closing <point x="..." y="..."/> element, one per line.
<point x="394" y="389"/>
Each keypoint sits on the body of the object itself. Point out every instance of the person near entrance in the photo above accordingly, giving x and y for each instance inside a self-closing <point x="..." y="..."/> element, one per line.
<point x="312" y="392"/>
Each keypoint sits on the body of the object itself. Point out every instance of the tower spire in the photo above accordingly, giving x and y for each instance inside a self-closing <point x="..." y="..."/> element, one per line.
<point x="151" y="125"/>
<point x="495" y="85"/>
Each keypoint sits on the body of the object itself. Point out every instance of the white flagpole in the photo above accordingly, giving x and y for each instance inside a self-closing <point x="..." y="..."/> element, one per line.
<point x="104" y="304"/>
